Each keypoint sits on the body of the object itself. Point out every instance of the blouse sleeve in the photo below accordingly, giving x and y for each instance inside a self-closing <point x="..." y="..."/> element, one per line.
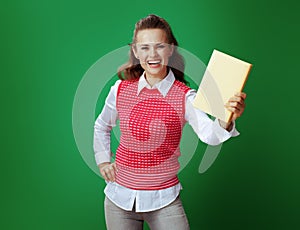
<point x="103" y="125"/>
<point x="208" y="131"/>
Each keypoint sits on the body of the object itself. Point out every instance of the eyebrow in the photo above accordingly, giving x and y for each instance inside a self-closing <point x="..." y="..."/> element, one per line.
<point x="147" y="44"/>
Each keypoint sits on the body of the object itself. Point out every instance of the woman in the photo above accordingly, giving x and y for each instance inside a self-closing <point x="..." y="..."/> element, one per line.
<point x="152" y="103"/>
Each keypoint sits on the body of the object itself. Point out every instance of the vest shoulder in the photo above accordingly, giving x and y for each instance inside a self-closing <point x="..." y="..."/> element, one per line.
<point x="181" y="86"/>
<point x="125" y="81"/>
<point x="128" y="82"/>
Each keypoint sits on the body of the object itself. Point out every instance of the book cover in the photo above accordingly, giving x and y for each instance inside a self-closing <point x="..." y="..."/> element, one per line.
<point x="224" y="76"/>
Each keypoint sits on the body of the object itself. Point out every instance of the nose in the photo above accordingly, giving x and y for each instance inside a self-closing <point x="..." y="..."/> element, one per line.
<point x="153" y="52"/>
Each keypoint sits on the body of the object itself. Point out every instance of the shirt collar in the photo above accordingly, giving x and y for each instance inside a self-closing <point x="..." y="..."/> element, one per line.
<point x="163" y="86"/>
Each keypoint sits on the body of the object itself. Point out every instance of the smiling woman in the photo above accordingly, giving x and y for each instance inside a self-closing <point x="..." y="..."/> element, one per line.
<point x="153" y="53"/>
<point x="152" y="104"/>
<point x="153" y="39"/>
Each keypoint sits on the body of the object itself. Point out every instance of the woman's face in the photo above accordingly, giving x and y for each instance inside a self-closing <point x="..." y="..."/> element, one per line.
<point x="152" y="50"/>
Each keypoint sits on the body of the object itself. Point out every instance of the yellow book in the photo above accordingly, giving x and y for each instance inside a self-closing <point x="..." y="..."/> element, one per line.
<point x="224" y="76"/>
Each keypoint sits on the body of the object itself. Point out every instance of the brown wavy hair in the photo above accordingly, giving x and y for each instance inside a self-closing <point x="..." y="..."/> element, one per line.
<point x="133" y="70"/>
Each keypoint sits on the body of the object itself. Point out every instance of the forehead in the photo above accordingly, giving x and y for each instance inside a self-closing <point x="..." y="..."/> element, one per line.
<point x="151" y="36"/>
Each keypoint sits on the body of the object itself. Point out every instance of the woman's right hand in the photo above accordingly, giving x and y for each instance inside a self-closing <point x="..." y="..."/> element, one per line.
<point x="108" y="171"/>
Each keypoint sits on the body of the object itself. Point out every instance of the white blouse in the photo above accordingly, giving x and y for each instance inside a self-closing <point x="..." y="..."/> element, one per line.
<point x="208" y="131"/>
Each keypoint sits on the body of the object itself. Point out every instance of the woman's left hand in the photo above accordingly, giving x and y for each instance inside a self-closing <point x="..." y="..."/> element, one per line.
<point x="236" y="105"/>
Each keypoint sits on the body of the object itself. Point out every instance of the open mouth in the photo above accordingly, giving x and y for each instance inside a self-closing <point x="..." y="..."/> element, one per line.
<point x="154" y="63"/>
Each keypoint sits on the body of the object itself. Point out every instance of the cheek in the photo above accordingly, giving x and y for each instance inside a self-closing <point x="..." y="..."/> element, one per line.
<point x="142" y="56"/>
<point x="165" y="55"/>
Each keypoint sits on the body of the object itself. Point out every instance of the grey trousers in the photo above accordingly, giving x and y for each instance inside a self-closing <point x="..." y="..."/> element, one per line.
<point x="170" y="217"/>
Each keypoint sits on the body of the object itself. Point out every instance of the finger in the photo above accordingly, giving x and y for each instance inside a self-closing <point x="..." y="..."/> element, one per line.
<point x="112" y="173"/>
<point x="236" y="105"/>
<point x="115" y="167"/>
<point x="233" y="109"/>
<point x="238" y="99"/>
<point x="237" y="112"/>
<point x="109" y="172"/>
<point x="241" y="94"/>
<point x="232" y="104"/>
<point x="103" y="174"/>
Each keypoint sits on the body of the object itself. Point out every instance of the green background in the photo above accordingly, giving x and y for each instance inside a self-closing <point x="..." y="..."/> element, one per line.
<point x="46" y="48"/>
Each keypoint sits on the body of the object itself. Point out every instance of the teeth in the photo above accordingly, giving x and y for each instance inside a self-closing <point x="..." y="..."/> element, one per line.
<point x="153" y="62"/>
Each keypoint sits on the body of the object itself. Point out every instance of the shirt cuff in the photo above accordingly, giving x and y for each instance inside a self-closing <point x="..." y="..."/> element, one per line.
<point x="222" y="133"/>
<point x="103" y="157"/>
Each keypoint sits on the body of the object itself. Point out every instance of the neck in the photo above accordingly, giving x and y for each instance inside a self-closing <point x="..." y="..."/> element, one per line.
<point x="153" y="79"/>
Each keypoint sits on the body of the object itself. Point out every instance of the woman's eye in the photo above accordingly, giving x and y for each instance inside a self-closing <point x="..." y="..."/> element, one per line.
<point x="161" y="46"/>
<point x="144" y="48"/>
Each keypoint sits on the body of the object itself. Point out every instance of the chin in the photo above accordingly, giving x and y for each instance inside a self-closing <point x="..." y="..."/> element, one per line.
<point x="159" y="72"/>
<point x="156" y="74"/>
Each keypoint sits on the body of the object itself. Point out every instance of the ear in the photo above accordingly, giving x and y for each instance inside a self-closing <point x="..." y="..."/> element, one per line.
<point x="133" y="48"/>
